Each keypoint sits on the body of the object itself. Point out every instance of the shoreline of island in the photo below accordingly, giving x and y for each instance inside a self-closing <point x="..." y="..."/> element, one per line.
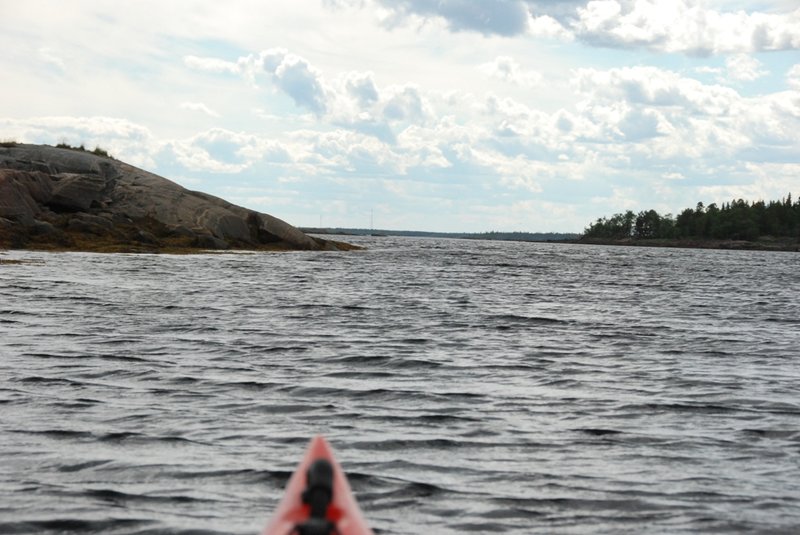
<point x="777" y="244"/>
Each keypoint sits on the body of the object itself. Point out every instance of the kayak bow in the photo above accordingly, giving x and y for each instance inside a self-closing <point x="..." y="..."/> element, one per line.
<point x="318" y="499"/>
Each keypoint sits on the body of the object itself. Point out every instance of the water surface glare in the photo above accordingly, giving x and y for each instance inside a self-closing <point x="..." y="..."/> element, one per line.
<point x="467" y="387"/>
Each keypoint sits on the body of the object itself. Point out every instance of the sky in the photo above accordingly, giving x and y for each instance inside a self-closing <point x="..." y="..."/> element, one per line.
<point x="437" y="115"/>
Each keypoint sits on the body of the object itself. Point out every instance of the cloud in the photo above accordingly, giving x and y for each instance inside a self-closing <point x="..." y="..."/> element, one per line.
<point x="198" y="159"/>
<point x="352" y="100"/>
<point x="361" y="87"/>
<point x="676" y="26"/>
<point x="198" y="106"/>
<point x="744" y="68"/>
<point x="506" y="18"/>
<point x="47" y="55"/>
<point x="224" y="145"/>
<point x="705" y="69"/>
<point x="359" y="104"/>
<point x="214" y="65"/>
<point x="124" y="139"/>
<point x="499" y="17"/>
<point x="655" y="87"/>
<point x="683" y="26"/>
<point x="547" y="26"/>
<point x="293" y="74"/>
<point x="762" y="181"/>
<point x="506" y="69"/>
<point x="219" y="150"/>
<point x="302" y="82"/>
<point x="404" y="103"/>
<point x="648" y="117"/>
<point x="351" y="152"/>
<point x="793" y="77"/>
<point x="640" y="124"/>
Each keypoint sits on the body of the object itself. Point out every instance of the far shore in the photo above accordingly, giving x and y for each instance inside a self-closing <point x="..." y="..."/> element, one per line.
<point x="102" y="246"/>
<point x="777" y="244"/>
<point x="764" y="244"/>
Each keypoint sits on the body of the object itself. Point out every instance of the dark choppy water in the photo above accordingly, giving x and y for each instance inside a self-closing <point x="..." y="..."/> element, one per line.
<point x="467" y="386"/>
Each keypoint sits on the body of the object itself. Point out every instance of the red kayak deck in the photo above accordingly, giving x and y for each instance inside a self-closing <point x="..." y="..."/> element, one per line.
<point x="343" y="510"/>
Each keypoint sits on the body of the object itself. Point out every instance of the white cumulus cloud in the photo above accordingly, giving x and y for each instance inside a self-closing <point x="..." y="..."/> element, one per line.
<point x="361" y="87"/>
<point x="684" y="26"/>
<point x="501" y="17"/>
<point x="214" y="65"/>
<point x="744" y="68"/>
<point x="793" y="76"/>
<point x="122" y="138"/>
<point x="507" y="69"/>
<point x="198" y="106"/>
<point x="300" y="80"/>
<point x="674" y="26"/>
<point x="656" y="87"/>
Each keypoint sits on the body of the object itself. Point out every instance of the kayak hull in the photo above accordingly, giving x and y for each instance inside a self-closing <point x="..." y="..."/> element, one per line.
<point x="343" y="509"/>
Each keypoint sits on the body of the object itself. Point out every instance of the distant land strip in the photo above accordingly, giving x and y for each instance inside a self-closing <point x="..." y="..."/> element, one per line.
<point x="499" y="236"/>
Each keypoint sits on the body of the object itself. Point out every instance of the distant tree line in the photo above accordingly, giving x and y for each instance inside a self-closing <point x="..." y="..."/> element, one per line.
<point x="735" y="220"/>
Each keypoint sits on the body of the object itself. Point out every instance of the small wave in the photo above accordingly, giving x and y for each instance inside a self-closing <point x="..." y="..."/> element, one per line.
<point x="785" y="434"/>
<point x="20" y="313"/>
<point x="74" y="525"/>
<point x="410" y="466"/>
<point x="247" y="475"/>
<point x="443" y="444"/>
<point x="360" y="375"/>
<point x="531" y="320"/>
<point x="116" y="437"/>
<point x="416" y="489"/>
<point x="416" y="364"/>
<point x="120" y="358"/>
<point x="255" y="386"/>
<point x="78" y="467"/>
<point x="597" y="432"/>
<point x="512" y="514"/>
<point x="427" y="418"/>
<point x="56" y="433"/>
<point x="363" y="359"/>
<point x="281" y="349"/>
<point x="478" y="527"/>
<point x="184" y="380"/>
<point x="355" y="307"/>
<point x="120" y="498"/>
<point x="709" y="408"/>
<point x="126" y="436"/>
<point x="283" y="408"/>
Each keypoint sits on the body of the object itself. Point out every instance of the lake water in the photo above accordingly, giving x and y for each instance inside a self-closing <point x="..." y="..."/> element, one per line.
<point x="467" y="387"/>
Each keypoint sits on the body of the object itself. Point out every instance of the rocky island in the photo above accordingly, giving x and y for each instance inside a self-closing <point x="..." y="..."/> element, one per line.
<point x="67" y="199"/>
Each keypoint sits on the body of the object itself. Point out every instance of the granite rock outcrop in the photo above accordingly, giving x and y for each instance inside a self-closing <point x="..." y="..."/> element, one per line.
<point x="59" y="198"/>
